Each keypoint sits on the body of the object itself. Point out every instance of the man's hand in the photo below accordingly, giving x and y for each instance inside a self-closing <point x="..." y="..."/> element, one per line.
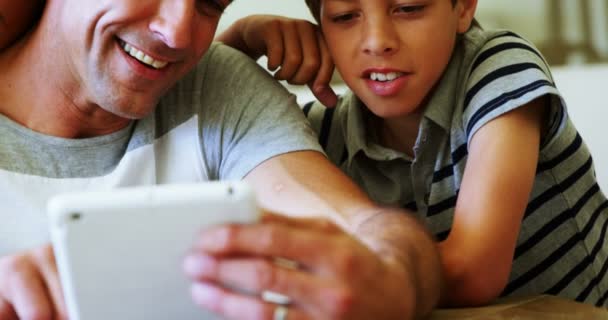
<point x="338" y="276"/>
<point x="295" y="47"/>
<point x="30" y="287"/>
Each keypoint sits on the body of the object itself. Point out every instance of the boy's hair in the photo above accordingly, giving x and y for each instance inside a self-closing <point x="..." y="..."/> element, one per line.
<point x="315" y="8"/>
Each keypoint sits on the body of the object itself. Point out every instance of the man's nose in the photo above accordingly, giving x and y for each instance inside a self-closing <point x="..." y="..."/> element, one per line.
<point x="173" y="23"/>
<point x="380" y="37"/>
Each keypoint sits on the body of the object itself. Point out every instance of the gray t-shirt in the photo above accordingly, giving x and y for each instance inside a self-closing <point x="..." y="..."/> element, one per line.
<point x="562" y="247"/>
<point x="222" y="120"/>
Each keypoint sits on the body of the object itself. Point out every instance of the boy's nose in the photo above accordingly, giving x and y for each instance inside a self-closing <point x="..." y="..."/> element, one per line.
<point x="380" y="38"/>
<point x="174" y="22"/>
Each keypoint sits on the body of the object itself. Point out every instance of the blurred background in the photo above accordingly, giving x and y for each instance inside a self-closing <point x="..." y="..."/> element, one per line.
<point x="571" y="34"/>
<point x="566" y="31"/>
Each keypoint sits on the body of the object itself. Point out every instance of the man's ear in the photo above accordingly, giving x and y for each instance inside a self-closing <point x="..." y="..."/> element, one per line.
<point x="466" y="12"/>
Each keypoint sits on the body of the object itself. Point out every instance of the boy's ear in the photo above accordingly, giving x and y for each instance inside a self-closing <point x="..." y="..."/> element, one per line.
<point x="466" y="12"/>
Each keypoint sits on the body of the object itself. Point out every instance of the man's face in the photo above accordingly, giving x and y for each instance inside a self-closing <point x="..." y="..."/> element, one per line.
<point x="126" y="54"/>
<point x="392" y="53"/>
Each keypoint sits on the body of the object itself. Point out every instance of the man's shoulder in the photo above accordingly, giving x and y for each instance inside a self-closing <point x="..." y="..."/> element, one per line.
<point x="222" y="54"/>
<point x="218" y="56"/>
<point x="218" y="74"/>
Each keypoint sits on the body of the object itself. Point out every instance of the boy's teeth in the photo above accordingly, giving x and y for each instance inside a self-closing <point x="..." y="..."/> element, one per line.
<point x="143" y="58"/>
<point x="383" y="77"/>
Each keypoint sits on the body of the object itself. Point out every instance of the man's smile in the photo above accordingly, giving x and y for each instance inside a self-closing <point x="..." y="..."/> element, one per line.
<point x="142" y="57"/>
<point x="141" y="63"/>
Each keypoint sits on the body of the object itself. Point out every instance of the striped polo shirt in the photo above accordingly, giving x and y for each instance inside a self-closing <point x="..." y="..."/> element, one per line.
<point x="562" y="248"/>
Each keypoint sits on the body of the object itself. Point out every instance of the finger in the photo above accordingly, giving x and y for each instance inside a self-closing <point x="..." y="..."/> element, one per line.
<point x="257" y="275"/>
<point x="292" y="57"/>
<point x="275" y="50"/>
<point x="6" y="310"/>
<point x="311" y="56"/>
<point x="272" y="240"/>
<point x="320" y="87"/>
<point x="28" y="294"/>
<point x="45" y="260"/>
<point x="231" y="305"/>
<point x="319" y="224"/>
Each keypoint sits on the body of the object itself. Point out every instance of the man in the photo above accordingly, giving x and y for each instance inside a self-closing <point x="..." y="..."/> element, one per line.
<point x="109" y="93"/>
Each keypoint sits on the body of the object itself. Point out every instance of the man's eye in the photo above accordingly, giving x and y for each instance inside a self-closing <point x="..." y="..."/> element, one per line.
<point x="410" y="9"/>
<point x="211" y="7"/>
<point x="343" y="18"/>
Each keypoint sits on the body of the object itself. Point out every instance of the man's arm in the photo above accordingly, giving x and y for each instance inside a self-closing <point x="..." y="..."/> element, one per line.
<point x="383" y="266"/>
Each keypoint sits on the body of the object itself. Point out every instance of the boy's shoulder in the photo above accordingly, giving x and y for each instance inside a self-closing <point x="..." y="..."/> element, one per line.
<point x="319" y="115"/>
<point x="338" y="126"/>
<point x="500" y="71"/>
<point x="348" y="105"/>
<point x="480" y="44"/>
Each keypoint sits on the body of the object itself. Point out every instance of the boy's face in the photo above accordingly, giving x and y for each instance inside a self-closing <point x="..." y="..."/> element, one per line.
<point x="128" y="53"/>
<point x="391" y="53"/>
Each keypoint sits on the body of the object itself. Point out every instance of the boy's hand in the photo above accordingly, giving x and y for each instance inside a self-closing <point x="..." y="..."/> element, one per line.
<point x="295" y="47"/>
<point x="337" y="276"/>
<point x="30" y="287"/>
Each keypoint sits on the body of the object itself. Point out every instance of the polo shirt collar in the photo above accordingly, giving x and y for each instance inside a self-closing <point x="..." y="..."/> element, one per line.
<point x="441" y="105"/>
<point x="358" y="137"/>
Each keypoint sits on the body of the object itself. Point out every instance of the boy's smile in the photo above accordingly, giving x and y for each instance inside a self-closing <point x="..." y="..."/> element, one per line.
<point x="386" y="82"/>
<point x="392" y="53"/>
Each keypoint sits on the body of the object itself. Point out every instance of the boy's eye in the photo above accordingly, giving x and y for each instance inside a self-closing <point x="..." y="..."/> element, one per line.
<point x="343" y="17"/>
<point x="410" y="9"/>
<point x="211" y="7"/>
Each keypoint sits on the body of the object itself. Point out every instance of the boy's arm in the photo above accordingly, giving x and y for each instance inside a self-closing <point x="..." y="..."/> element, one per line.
<point x="497" y="182"/>
<point x="384" y="266"/>
<point x="295" y="47"/>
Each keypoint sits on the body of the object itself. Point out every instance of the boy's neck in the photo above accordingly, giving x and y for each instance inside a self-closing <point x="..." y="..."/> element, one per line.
<point x="400" y="134"/>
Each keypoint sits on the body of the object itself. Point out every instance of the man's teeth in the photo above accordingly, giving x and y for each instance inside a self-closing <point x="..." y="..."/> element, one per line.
<point x="383" y="77"/>
<point x="143" y="58"/>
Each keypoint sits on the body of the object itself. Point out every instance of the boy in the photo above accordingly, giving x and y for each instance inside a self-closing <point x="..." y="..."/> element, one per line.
<point x="463" y="126"/>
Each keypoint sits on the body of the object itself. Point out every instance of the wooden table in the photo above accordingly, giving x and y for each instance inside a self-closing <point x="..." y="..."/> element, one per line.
<point x="533" y="308"/>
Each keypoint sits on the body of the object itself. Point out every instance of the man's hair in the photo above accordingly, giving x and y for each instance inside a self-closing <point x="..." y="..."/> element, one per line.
<point x="315" y="8"/>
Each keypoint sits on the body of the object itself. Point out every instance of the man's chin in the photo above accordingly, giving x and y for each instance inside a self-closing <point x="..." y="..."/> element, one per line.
<point x="131" y="112"/>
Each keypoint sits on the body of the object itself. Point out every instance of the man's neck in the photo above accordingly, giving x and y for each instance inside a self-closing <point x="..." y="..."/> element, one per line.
<point x="39" y="91"/>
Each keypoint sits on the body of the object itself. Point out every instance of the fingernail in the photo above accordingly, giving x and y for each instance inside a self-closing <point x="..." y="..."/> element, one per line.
<point x="197" y="265"/>
<point x="321" y="88"/>
<point x="205" y="294"/>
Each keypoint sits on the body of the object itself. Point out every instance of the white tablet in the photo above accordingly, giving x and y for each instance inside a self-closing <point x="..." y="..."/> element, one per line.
<point x="119" y="253"/>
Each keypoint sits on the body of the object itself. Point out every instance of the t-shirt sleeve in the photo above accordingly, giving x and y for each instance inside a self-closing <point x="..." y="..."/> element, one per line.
<point x="247" y="116"/>
<point x="508" y="73"/>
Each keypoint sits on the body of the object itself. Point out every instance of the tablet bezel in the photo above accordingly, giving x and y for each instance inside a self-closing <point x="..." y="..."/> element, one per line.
<point x="119" y="252"/>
